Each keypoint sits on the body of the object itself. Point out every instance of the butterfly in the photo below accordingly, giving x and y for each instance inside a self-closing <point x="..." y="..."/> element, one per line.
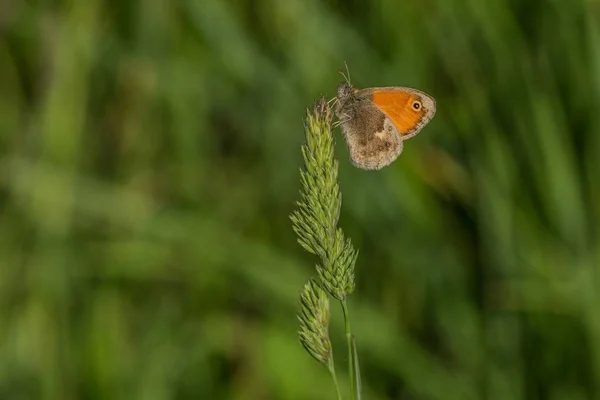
<point x="376" y="121"/>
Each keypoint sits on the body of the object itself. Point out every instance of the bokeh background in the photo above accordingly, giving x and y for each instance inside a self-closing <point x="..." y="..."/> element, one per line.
<point x="149" y="159"/>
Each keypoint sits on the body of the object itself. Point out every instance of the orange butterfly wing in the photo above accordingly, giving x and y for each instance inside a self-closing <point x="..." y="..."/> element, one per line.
<point x="398" y="106"/>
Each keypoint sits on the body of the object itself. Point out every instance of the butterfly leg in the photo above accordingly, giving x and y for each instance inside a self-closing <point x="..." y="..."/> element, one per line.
<point x="342" y="119"/>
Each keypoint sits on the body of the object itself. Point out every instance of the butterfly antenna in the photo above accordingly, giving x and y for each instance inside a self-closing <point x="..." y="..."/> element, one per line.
<point x="347" y="74"/>
<point x="347" y="71"/>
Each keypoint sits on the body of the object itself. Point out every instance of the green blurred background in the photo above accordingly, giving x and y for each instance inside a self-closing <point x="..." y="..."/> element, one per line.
<point x="149" y="159"/>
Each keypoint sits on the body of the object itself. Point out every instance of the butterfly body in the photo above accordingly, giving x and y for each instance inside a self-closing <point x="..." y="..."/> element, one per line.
<point x="376" y="121"/>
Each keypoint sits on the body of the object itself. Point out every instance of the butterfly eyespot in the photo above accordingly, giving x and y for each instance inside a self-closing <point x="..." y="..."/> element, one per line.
<point x="416" y="105"/>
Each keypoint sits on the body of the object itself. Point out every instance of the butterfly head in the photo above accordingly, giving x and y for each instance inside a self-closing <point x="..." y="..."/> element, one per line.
<point x="344" y="90"/>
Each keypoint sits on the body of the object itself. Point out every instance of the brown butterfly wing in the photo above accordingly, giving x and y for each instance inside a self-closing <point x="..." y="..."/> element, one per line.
<point x="373" y="140"/>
